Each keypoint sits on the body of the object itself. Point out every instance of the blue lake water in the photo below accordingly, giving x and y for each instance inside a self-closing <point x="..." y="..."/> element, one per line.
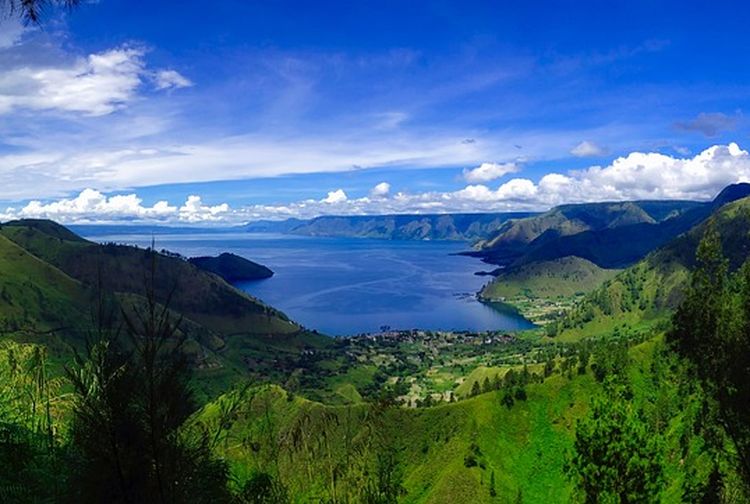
<point x="343" y="286"/>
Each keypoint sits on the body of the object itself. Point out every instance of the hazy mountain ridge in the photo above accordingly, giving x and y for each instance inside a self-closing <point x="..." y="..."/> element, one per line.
<point x="457" y="227"/>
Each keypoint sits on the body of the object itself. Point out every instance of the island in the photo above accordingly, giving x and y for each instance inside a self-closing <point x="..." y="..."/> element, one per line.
<point x="232" y="267"/>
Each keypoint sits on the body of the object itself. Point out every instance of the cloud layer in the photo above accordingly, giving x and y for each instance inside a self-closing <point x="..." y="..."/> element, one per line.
<point x="635" y="176"/>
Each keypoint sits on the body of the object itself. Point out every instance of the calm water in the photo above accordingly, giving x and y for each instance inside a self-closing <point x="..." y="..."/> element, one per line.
<point x="347" y="286"/>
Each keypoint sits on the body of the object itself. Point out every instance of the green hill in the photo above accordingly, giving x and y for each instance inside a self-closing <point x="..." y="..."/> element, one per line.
<point x="443" y="454"/>
<point x="51" y="277"/>
<point x="611" y="235"/>
<point x="37" y="300"/>
<point x="511" y="241"/>
<point x="566" y="276"/>
<point x="648" y="291"/>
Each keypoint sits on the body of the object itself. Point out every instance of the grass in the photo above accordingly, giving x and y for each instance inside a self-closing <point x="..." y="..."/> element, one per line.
<point x="526" y="446"/>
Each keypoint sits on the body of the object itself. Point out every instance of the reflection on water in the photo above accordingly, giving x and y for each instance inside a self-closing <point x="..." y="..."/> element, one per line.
<point x="346" y="286"/>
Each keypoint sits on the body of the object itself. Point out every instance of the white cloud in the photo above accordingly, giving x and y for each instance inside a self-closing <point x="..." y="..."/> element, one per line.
<point x="588" y="149"/>
<point x="171" y="79"/>
<point x="96" y="85"/>
<point x="635" y="176"/>
<point x="195" y="211"/>
<point x="489" y="171"/>
<point x="381" y="190"/>
<point x="93" y="205"/>
<point x="334" y="197"/>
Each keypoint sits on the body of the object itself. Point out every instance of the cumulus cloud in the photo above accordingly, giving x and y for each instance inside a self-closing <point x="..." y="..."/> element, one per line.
<point x="635" y="176"/>
<point x="194" y="210"/>
<point x="709" y="124"/>
<point x="171" y="79"/>
<point x="381" y="190"/>
<point x="334" y="197"/>
<point x="638" y="175"/>
<point x="93" y="205"/>
<point x="489" y="171"/>
<point x="587" y="149"/>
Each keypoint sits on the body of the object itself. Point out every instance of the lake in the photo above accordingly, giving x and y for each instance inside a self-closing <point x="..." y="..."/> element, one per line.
<point x="343" y="286"/>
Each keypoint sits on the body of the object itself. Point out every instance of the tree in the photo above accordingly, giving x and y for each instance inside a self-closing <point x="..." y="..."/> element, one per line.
<point x="711" y="329"/>
<point x="486" y="385"/>
<point x="475" y="389"/>
<point x="132" y="399"/>
<point x="615" y="458"/>
<point x="32" y="11"/>
<point x="493" y="492"/>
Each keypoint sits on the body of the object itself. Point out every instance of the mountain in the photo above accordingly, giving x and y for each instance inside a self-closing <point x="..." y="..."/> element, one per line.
<point x="269" y="226"/>
<point x="649" y="290"/>
<point x="232" y="268"/>
<point x="611" y="235"/>
<point x="465" y="227"/>
<point x="50" y="279"/>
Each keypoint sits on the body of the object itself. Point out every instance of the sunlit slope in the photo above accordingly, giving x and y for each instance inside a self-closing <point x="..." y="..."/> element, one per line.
<point x="197" y="295"/>
<point x="38" y="300"/>
<point x="51" y="279"/>
<point x="647" y="292"/>
<point x="566" y="276"/>
<point x="447" y="453"/>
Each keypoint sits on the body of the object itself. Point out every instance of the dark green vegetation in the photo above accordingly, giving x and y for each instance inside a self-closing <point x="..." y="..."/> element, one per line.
<point x="232" y="268"/>
<point x="467" y="227"/>
<point x="637" y="393"/>
<point x="51" y="278"/>
<point x="611" y="235"/>
<point x="577" y="247"/>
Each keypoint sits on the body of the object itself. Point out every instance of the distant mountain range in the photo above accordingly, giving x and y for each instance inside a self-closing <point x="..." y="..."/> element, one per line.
<point x="457" y="227"/>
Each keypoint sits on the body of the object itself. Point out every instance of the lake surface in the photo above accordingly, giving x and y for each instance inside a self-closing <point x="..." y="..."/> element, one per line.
<point x="343" y="286"/>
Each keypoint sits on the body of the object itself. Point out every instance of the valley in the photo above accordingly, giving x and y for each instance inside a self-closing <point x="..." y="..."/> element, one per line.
<point x="482" y="414"/>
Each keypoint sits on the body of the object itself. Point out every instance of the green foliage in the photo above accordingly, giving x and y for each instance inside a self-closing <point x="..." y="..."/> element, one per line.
<point x="131" y="401"/>
<point x="616" y="459"/>
<point x="30" y="450"/>
<point x="711" y="329"/>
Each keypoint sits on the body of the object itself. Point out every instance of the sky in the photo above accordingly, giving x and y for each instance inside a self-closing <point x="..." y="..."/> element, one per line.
<point x="225" y="112"/>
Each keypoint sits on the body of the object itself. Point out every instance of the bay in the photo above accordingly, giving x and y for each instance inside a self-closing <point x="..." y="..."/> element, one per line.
<point x="344" y="286"/>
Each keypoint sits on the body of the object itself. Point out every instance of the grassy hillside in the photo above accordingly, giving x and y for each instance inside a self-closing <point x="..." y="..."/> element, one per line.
<point x="443" y="454"/>
<point x="38" y="302"/>
<point x="543" y="290"/>
<point x="647" y="292"/>
<point x="611" y="235"/>
<point x="50" y="278"/>
<point x="572" y="219"/>
<point x="198" y="295"/>
<point x="566" y="276"/>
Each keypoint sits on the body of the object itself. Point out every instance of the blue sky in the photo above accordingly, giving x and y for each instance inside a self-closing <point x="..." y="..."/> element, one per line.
<point x="244" y="110"/>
